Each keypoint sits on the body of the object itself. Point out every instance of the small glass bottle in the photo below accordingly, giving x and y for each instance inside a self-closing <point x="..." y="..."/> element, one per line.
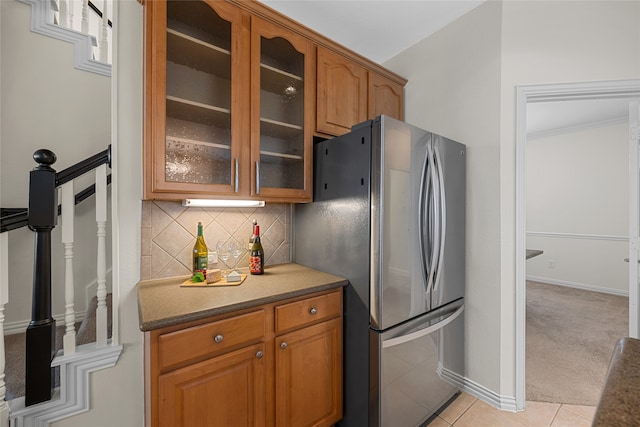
<point x="256" y="259"/>
<point x="200" y="254"/>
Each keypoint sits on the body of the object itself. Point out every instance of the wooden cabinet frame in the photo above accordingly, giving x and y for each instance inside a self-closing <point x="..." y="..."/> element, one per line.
<point x="302" y="327"/>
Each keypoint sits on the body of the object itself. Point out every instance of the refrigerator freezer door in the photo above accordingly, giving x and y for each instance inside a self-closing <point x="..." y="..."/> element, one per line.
<point x="420" y="366"/>
<point x="398" y="286"/>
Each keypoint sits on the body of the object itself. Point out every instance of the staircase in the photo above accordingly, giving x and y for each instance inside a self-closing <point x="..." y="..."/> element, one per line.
<point x="76" y="354"/>
<point x="79" y="22"/>
<point x="70" y="350"/>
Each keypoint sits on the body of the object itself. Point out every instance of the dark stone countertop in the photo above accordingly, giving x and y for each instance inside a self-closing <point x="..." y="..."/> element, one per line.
<point x="533" y="253"/>
<point x="162" y="302"/>
<point x="620" y="400"/>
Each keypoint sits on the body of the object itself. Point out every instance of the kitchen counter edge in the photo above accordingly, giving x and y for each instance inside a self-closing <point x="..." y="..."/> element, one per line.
<point x="163" y="303"/>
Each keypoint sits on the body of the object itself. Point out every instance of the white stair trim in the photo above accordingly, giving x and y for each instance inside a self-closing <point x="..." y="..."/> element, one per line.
<point x="72" y="397"/>
<point x="83" y="57"/>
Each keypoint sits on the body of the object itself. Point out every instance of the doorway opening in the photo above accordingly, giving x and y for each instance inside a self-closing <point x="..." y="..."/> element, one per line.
<point x="526" y="97"/>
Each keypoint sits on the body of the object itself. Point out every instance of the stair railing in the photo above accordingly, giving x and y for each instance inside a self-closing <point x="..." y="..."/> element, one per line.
<point x="88" y="17"/>
<point x="41" y="218"/>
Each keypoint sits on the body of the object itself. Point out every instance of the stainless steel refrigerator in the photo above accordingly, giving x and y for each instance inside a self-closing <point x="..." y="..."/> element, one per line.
<point x="389" y="215"/>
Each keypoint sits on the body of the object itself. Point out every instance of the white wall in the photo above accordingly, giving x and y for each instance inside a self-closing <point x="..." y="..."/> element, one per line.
<point x="547" y="42"/>
<point x="46" y="103"/>
<point x="117" y="394"/>
<point x="454" y="90"/>
<point x="462" y="83"/>
<point x="578" y="184"/>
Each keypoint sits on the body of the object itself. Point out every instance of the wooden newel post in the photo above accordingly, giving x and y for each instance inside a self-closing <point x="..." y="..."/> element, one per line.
<point x="40" y="339"/>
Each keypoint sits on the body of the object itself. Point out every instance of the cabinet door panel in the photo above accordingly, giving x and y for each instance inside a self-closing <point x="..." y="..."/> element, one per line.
<point x="281" y="113"/>
<point x="194" y="87"/>
<point x="309" y="376"/>
<point x="342" y="93"/>
<point x="225" y="391"/>
<point x="385" y="97"/>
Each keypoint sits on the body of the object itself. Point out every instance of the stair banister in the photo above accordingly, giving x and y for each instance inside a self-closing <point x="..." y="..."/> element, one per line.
<point x="40" y="336"/>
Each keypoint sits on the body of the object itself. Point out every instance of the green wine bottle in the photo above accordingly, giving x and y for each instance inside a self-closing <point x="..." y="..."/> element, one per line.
<point x="256" y="259"/>
<point x="200" y="254"/>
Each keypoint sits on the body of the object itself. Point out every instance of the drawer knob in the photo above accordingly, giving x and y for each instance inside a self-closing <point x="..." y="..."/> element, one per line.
<point x="313" y="310"/>
<point x="283" y="345"/>
<point x="218" y="338"/>
<point x="259" y="354"/>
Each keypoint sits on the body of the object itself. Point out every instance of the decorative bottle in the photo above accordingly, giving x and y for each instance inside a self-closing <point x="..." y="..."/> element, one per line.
<point x="256" y="259"/>
<point x="200" y="254"/>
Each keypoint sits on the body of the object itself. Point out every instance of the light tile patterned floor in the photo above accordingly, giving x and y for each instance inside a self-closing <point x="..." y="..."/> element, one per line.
<point x="468" y="411"/>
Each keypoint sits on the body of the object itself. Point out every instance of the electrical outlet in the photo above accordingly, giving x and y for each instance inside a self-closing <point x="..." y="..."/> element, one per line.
<point x="552" y="264"/>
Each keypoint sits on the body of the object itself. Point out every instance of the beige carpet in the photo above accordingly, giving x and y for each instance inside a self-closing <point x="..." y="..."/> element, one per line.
<point x="15" y="348"/>
<point x="571" y="334"/>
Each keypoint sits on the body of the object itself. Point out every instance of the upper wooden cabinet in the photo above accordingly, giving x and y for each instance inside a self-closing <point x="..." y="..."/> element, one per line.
<point x="342" y="93"/>
<point x="229" y="105"/>
<point x="385" y="97"/>
<point x="196" y="80"/>
<point x="349" y="94"/>
<point x="234" y="95"/>
<point x="282" y="113"/>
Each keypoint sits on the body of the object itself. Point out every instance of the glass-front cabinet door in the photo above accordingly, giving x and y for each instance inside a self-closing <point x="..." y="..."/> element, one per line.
<point x="282" y="100"/>
<point x="194" y="93"/>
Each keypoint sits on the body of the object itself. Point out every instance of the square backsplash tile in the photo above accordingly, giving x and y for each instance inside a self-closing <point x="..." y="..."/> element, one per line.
<point x="169" y="231"/>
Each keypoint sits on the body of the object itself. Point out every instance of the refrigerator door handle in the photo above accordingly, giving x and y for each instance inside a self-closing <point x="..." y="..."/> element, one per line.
<point x="453" y="315"/>
<point x="433" y="226"/>
<point x="441" y="220"/>
<point x="424" y="193"/>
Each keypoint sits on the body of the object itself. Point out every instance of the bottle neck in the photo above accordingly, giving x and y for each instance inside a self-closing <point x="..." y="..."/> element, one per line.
<point x="199" y="230"/>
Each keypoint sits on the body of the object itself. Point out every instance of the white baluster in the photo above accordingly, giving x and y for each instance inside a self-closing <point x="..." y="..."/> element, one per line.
<point x="101" y="221"/>
<point x="85" y="16"/>
<point x="68" y="217"/>
<point x="104" y="40"/>
<point x="64" y="13"/>
<point x="72" y="13"/>
<point x="4" y="299"/>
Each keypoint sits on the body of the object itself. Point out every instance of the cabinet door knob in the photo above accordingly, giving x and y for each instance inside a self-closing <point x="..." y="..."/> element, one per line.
<point x="283" y="345"/>
<point x="259" y="354"/>
<point x="313" y="310"/>
<point x="218" y="338"/>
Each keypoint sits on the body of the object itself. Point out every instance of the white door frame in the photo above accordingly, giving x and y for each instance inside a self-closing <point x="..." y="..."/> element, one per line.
<point x="545" y="93"/>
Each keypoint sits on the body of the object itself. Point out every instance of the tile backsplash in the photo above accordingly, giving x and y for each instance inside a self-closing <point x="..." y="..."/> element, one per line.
<point x="169" y="231"/>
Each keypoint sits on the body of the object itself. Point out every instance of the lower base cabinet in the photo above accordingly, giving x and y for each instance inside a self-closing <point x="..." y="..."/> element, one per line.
<point x="227" y="390"/>
<point x="309" y="376"/>
<point x="275" y="365"/>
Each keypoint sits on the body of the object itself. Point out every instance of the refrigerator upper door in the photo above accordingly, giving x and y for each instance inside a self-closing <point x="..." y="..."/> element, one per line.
<point x="449" y="157"/>
<point x="400" y="165"/>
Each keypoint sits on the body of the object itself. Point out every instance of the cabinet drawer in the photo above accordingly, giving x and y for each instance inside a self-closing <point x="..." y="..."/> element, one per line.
<point x="210" y="338"/>
<point x="311" y="310"/>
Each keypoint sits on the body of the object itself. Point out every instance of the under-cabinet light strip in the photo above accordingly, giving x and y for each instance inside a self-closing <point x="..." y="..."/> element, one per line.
<point x="213" y="203"/>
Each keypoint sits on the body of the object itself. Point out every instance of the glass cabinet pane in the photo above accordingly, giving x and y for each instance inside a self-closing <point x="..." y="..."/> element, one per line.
<point x="198" y="95"/>
<point x="281" y="114"/>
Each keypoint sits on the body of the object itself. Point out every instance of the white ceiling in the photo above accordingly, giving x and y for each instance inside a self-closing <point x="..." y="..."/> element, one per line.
<point x="549" y="117"/>
<point x="380" y="29"/>
<point x="376" y="29"/>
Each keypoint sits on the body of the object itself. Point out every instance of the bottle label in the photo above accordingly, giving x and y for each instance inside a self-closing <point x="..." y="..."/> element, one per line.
<point x="202" y="265"/>
<point x="255" y="264"/>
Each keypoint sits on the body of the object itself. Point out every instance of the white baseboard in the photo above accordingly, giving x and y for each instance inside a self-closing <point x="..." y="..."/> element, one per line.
<point x="504" y="403"/>
<point x="583" y="286"/>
